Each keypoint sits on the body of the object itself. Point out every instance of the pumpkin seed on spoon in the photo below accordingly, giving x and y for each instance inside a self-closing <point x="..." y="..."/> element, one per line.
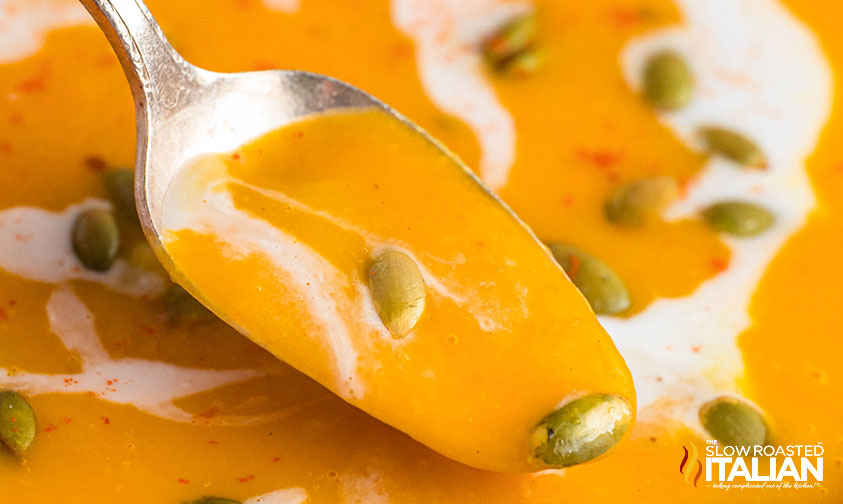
<point x="398" y="291"/>
<point x="582" y="430"/>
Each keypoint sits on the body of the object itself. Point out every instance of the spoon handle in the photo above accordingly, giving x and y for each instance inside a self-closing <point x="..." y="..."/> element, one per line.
<point x="160" y="78"/>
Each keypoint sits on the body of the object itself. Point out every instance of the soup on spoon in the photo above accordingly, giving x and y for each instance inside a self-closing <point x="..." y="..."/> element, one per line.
<point x="350" y="247"/>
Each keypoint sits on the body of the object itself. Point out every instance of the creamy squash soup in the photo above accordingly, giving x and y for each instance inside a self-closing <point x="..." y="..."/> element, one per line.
<point x="676" y="159"/>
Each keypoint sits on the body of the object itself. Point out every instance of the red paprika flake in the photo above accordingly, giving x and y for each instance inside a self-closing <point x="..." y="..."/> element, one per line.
<point x="600" y="158"/>
<point x="264" y="65"/>
<point x="246" y="479"/>
<point x="95" y="163"/>
<point x="629" y="16"/>
<point x="719" y="264"/>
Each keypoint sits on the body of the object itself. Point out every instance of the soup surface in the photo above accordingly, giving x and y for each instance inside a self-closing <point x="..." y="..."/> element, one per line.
<point x="136" y="402"/>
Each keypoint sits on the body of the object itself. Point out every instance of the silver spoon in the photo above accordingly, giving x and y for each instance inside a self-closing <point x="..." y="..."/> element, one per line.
<point x="184" y="111"/>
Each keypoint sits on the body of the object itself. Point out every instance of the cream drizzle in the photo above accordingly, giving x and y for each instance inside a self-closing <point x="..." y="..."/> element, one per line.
<point x="24" y="24"/>
<point x="150" y="386"/>
<point x="36" y="245"/>
<point x="363" y="488"/>
<point x="198" y="200"/>
<point x="447" y="35"/>
<point x="759" y="70"/>
<point x="285" y="6"/>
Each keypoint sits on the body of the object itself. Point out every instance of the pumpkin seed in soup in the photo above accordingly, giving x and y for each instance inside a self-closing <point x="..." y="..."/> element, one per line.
<point x="668" y="81"/>
<point x="17" y="421"/>
<point x="95" y="239"/>
<point x="738" y="218"/>
<point x="524" y="63"/>
<point x="734" y="146"/>
<point x="398" y="291"/>
<point x="183" y="308"/>
<point x="511" y="39"/>
<point x="641" y="201"/>
<point x="601" y="287"/>
<point x="733" y="422"/>
<point x="214" y="500"/>
<point x="582" y="429"/>
<point x="120" y="186"/>
<point x="142" y="256"/>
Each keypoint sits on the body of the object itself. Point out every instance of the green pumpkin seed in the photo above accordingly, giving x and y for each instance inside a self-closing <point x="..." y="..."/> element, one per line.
<point x="668" y="82"/>
<point x="733" y="422"/>
<point x="734" y="146"/>
<point x="214" y="500"/>
<point x="511" y="39"/>
<point x="582" y="429"/>
<point x="524" y="63"/>
<point x="17" y="421"/>
<point x="120" y="186"/>
<point x="641" y="201"/>
<point x="601" y="287"/>
<point x="738" y="218"/>
<point x="183" y="308"/>
<point x="95" y="239"/>
<point x="142" y="256"/>
<point x="398" y="291"/>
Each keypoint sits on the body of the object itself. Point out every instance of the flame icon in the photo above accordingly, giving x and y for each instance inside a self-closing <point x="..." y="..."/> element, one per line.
<point x="686" y="467"/>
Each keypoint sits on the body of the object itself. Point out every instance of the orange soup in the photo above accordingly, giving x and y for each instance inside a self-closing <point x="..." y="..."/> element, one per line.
<point x="680" y="153"/>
